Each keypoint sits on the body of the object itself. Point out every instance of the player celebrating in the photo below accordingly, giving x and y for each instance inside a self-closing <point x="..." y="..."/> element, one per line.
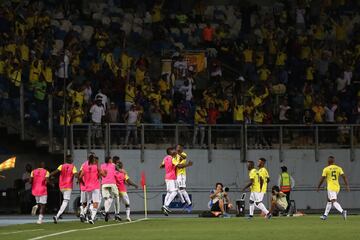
<point x="255" y="185"/>
<point x="90" y="174"/>
<point x="264" y="175"/>
<point x="331" y="173"/>
<point x="181" y="176"/>
<point x="39" y="179"/>
<point x="108" y="188"/>
<point x="170" y="164"/>
<point x="122" y="178"/>
<point x="67" y="172"/>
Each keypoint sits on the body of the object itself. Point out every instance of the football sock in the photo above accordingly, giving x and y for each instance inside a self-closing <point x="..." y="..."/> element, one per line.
<point x="328" y="208"/>
<point x="338" y="207"/>
<point x="62" y="208"/>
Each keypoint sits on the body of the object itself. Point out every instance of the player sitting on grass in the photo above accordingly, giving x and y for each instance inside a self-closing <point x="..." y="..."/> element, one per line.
<point x="218" y="200"/>
<point x="121" y="179"/>
<point x="278" y="201"/>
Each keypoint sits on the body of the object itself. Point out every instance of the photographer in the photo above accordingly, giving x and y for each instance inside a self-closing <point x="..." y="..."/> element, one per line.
<point x="220" y="201"/>
<point x="278" y="201"/>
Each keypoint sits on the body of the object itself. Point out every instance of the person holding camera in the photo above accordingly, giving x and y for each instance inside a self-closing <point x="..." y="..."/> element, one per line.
<point x="220" y="201"/>
<point x="278" y="201"/>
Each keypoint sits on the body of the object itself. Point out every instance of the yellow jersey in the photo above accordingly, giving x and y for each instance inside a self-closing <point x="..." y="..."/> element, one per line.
<point x="264" y="174"/>
<point x="179" y="160"/>
<point x="254" y="175"/>
<point x="332" y="173"/>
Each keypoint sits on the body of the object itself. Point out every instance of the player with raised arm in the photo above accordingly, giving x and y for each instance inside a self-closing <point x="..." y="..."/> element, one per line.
<point x="264" y="175"/>
<point x="66" y="179"/>
<point x="90" y="173"/>
<point x="121" y="179"/>
<point x="109" y="189"/>
<point x="332" y="173"/>
<point x="39" y="179"/>
<point x="255" y="185"/>
<point x="170" y="164"/>
<point x="181" y="158"/>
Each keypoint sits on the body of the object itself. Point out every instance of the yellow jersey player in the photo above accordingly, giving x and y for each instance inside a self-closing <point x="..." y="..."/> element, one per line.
<point x="181" y="177"/>
<point x="264" y="175"/>
<point x="255" y="185"/>
<point x="332" y="173"/>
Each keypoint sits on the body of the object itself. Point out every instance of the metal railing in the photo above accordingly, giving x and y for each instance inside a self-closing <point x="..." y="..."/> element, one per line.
<point x="112" y="136"/>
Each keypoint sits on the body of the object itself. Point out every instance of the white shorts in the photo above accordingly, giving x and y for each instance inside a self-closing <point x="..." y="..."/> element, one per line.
<point x="181" y="181"/>
<point x="94" y="196"/>
<point x="124" y="197"/>
<point x="332" y="195"/>
<point x="109" y="190"/>
<point x="41" y="199"/>
<point x="261" y="196"/>
<point x="256" y="197"/>
<point x="66" y="194"/>
<point x="171" y="185"/>
<point x="84" y="197"/>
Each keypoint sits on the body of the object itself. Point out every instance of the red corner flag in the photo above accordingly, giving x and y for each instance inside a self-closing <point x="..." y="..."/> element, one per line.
<point x="143" y="179"/>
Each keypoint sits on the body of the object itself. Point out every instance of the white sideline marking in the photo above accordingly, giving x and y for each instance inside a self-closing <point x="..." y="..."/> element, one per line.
<point x="33" y="230"/>
<point x="85" y="229"/>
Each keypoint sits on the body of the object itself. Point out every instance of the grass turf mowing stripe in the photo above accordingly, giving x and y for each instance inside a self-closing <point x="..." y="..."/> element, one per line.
<point x="33" y="230"/>
<point x="85" y="229"/>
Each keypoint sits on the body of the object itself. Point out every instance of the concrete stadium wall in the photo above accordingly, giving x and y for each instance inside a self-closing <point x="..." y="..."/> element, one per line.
<point x="227" y="168"/>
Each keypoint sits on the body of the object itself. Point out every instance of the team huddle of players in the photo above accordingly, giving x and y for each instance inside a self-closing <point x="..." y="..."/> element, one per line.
<point x="259" y="178"/>
<point x="109" y="177"/>
<point x="108" y="182"/>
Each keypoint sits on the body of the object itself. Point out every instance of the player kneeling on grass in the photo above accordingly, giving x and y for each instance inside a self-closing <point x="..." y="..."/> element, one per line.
<point x="39" y="179"/>
<point x="67" y="172"/>
<point x="121" y="179"/>
<point x="278" y="201"/>
<point x="220" y="201"/>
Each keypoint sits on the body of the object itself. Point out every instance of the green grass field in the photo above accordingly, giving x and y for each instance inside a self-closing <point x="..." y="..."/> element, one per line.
<point x="307" y="228"/>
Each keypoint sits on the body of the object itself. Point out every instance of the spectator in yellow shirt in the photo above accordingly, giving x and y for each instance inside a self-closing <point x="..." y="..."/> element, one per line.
<point x="264" y="73"/>
<point x="319" y="112"/>
<point x="200" y="118"/>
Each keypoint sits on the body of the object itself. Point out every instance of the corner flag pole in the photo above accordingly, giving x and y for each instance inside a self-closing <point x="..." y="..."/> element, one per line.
<point x="145" y="202"/>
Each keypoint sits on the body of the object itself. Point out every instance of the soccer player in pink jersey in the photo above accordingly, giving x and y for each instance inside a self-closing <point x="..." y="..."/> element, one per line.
<point x="39" y="179"/>
<point x="66" y="179"/>
<point x="109" y="189"/>
<point x="121" y="179"/>
<point x="170" y="164"/>
<point x="90" y="174"/>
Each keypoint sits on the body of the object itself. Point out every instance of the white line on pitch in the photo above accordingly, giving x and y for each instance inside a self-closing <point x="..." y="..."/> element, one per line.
<point x="21" y="231"/>
<point x="85" y="229"/>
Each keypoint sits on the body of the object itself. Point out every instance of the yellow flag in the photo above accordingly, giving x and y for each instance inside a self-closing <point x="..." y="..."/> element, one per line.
<point x="8" y="164"/>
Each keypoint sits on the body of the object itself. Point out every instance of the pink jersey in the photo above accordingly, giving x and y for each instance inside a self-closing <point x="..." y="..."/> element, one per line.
<point x="90" y="177"/>
<point x="170" y="167"/>
<point x="66" y="178"/>
<point x="39" y="187"/>
<point x="120" y="181"/>
<point x="81" y="181"/>
<point x="110" y="170"/>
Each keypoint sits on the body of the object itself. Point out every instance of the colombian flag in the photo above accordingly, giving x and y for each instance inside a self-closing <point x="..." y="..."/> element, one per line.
<point x="8" y="164"/>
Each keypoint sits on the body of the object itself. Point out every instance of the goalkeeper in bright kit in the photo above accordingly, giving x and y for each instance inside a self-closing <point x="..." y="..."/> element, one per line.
<point x="332" y="173"/>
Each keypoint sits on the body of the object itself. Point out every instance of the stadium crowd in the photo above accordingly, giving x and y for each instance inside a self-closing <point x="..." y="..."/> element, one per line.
<point x="292" y="64"/>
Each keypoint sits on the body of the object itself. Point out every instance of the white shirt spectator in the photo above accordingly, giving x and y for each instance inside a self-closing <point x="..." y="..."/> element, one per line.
<point x="132" y="117"/>
<point x="300" y="16"/>
<point x="97" y="112"/>
<point x="282" y="113"/>
<point x="104" y="99"/>
<point x="348" y="76"/>
<point x="87" y="93"/>
<point x="63" y="71"/>
<point x="187" y="91"/>
<point x="330" y="113"/>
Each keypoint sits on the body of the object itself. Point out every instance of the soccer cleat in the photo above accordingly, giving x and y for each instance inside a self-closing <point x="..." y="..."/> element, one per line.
<point x="117" y="217"/>
<point x="128" y="219"/>
<point x="344" y="214"/>
<point x="323" y="217"/>
<point x="188" y="208"/>
<point x="268" y="216"/>
<point x="167" y="209"/>
<point x="107" y="217"/>
<point x="91" y="221"/>
<point x="39" y="222"/>
<point x="163" y="209"/>
<point x="249" y="217"/>
<point x="55" y="219"/>
<point x="34" y="210"/>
